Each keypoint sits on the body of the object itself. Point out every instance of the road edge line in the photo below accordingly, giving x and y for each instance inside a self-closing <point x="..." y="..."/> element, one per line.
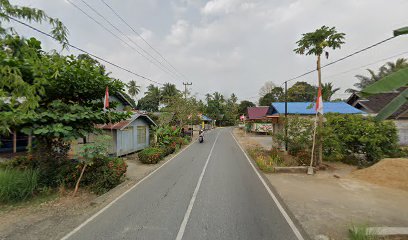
<point x="183" y="225"/>
<point x="275" y="199"/>
<point x="68" y="235"/>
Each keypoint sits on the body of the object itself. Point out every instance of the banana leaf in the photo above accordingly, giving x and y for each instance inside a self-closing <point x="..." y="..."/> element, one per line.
<point x="388" y="84"/>
<point x="393" y="106"/>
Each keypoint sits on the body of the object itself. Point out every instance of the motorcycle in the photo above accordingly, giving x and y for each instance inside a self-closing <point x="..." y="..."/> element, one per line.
<point x="201" y="137"/>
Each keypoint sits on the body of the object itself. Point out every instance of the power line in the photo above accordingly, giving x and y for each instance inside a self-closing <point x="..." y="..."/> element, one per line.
<point x="366" y="65"/>
<point x="112" y="33"/>
<point x="84" y="51"/>
<point x="341" y="59"/>
<point x="127" y="24"/>
<point x="131" y="40"/>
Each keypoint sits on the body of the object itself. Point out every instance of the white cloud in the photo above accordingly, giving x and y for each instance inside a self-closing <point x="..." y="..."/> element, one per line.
<point x="179" y="33"/>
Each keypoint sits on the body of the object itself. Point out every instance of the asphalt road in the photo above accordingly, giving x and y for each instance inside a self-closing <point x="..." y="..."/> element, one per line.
<point x="208" y="191"/>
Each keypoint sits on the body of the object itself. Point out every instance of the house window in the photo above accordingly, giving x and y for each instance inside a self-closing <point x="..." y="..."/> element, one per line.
<point x="141" y="134"/>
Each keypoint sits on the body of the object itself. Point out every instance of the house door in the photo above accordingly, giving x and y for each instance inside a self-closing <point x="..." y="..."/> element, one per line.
<point x="141" y="137"/>
<point x="127" y="140"/>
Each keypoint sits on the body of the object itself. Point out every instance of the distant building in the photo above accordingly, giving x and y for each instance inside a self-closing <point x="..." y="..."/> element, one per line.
<point x="258" y="119"/>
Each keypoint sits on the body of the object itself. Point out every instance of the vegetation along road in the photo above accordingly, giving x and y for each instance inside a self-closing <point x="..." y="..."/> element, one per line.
<point x="208" y="191"/>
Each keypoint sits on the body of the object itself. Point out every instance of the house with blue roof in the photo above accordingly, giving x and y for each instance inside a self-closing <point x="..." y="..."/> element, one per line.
<point x="308" y="108"/>
<point x="305" y="109"/>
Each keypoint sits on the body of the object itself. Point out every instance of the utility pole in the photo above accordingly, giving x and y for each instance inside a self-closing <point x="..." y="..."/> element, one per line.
<point x="286" y="115"/>
<point x="185" y="97"/>
<point x="185" y="88"/>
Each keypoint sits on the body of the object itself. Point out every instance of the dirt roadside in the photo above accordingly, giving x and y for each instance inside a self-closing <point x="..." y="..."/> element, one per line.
<point x="329" y="205"/>
<point x="55" y="218"/>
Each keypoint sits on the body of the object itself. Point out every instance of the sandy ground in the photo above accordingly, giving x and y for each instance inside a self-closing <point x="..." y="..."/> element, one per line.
<point x="55" y="218"/>
<point x="328" y="204"/>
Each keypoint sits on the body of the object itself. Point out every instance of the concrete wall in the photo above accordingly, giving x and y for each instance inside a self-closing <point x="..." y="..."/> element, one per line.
<point x="402" y="128"/>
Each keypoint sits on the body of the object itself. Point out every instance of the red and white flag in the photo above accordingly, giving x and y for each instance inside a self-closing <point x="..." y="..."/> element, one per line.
<point x="319" y="101"/>
<point x="106" y="100"/>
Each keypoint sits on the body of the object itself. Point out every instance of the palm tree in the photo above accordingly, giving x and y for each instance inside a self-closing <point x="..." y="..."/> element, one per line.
<point x="328" y="91"/>
<point x="208" y="97"/>
<point x="169" y="91"/>
<point x="315" y="43"/>
<point x="233" y="98"/>
<point x="133" y="88"/>
<point x="383" y="71"/>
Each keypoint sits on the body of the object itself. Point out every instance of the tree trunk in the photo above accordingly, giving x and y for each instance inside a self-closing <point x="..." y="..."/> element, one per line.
<point x="320" y="137"/>
<point x="79" y="180"/>
<point x="30" y="142"/>
<point x="15" y="141"/>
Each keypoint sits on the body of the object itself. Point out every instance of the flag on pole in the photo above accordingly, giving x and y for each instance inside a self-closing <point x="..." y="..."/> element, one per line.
<point x="319" y="101"/>
<point x="106" y="100"/>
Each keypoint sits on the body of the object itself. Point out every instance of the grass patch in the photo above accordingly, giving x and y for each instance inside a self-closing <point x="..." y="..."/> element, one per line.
<point x="17" y="185"/>
<point x="362" y="233"/>
<point x="266" y="159"/>
<point x="37" y="200"/>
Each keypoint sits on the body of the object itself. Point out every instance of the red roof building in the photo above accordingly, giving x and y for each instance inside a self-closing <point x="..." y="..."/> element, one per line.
<point x="257" y="113"/>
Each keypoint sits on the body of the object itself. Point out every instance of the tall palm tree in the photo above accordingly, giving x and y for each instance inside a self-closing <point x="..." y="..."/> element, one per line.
<point x="315" y="43"/>
<point x="133" y="88"/>
<point x="328" y="91"/>
<point x="208" y="97"/>
<point x="233" y="98"/>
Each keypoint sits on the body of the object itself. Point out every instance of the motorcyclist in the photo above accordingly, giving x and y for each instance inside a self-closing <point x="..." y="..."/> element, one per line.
<point x="201" y="135"/>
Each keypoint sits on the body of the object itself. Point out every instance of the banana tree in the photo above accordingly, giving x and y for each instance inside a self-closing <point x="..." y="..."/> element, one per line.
<point x="390" y="83"/>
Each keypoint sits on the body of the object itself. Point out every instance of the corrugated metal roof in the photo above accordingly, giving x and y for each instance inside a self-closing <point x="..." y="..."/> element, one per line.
<point x="257" y="112"/>
<point x="308" y="108"/>
<point x="123" y="124"/>
<point x="205" y="118"/>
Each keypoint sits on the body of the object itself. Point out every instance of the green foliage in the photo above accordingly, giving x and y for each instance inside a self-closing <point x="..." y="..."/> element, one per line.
<point x="327" y="91"/>
<point x="97" y="149"/>
<point x="302" y="92"/>
<point x="151" y="101"/>
<point x="385" y="70"/>
<point x="133" y="88"/>
<point x="300" y="134"/>
<point x="243" y="106"/>
<point x="390" y="83"/>
<point x="362" y="233"/>
<point x="105" y="174"/>
<point x="151" y="155"/>
<point x="166" y="134"/>
<point x="59" y="31"/>
<point x="17" y="185"/>
<point x="348" y="135"/>
<point x="314" y="43"/>
<point x="276" y="94"/>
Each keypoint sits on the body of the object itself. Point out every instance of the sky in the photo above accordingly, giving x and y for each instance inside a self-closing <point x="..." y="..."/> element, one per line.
<point x="229" y="46"/>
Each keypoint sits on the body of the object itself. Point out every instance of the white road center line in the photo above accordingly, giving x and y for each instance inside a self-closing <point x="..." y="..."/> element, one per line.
<point x="275" y="199"/>
<point x="193" y="198"/>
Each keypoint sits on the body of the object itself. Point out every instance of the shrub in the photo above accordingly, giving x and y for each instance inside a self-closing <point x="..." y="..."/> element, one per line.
<point x="150" y="155"/>
<point x="300" y="134"/>
<point x="350" y="136"/>
<point x="266" y="160"/>
<point x="104" y="174"/>
<point x="17" y="185"/>
<point x="166" y="134"/>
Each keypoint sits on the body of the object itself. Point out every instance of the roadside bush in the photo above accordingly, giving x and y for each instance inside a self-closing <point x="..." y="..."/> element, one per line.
<point x="166" y="134"/>
<point x="104" y="174"/>
<point x="353" y="136"/>
<point x="17" y="185"/>
<point x="150" y="155"/>
<point x="300" y="135"/>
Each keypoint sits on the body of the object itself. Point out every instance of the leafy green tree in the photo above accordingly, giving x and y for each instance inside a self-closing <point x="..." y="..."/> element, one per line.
<point x="276" y="94"/>
<point x="151" y="100"/>
<point x="7" y="10"/>
<point x="243" y="106"/>
<point x="328" y="91"/>
<point x="302" y="92"/>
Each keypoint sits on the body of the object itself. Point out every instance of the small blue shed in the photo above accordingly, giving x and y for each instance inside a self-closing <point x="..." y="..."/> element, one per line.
<point x="131" y="135"/>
